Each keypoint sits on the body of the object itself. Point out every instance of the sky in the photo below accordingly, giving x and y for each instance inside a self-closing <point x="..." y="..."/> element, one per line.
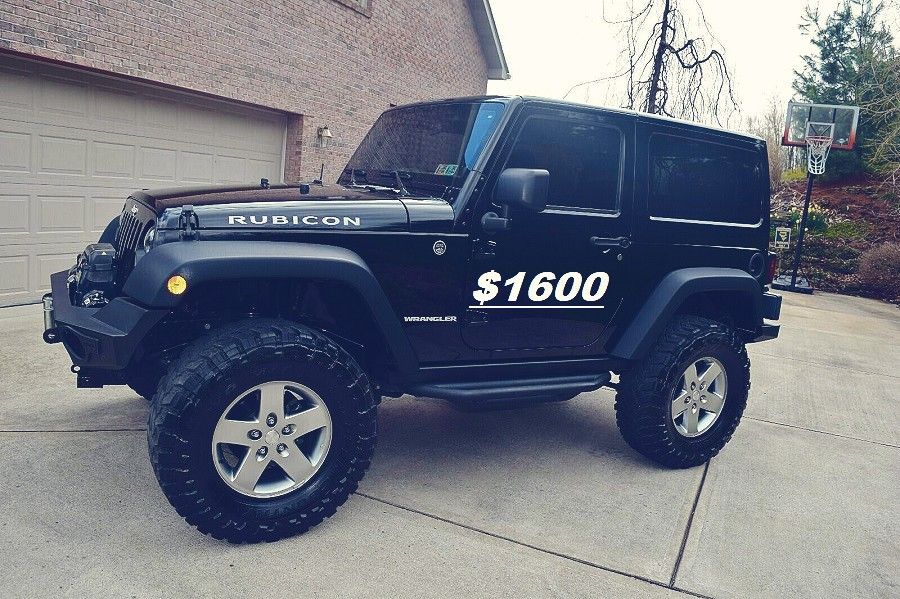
<point x="551" y="46"/>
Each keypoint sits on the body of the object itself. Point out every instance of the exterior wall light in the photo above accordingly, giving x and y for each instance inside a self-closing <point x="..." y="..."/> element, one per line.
<point x="323" y="137"/>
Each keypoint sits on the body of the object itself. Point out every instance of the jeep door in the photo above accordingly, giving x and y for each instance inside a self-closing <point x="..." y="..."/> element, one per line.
<point x="553" y="280"/>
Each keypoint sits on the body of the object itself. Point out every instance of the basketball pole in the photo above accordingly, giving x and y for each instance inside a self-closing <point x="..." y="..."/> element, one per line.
<point x="784" y="282"/>
<point x="798" y="251"/>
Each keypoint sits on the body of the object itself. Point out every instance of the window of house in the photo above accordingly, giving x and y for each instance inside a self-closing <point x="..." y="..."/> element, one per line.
<point x="692" y="180"/>
<point x="584" y="161"/>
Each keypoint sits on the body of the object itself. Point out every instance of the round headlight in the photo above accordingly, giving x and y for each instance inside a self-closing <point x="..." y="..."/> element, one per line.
<point x="149" y="238"/>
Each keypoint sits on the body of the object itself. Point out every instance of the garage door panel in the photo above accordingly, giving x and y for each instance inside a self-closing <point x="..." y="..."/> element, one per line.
<point x="59" y="213"/>
<point x="112" y="160"/>
<point x="157" y="165"/>
<point x="15" y="151"/>
<point x="197" y="167"/>
<point x="103" y="210"/>
<point x="15" y="212"/>
<point x="13" y="276"/>
<point x="74" y="145"/>
<point x="63" y="96"/>
<point x="62" y="155"/>
<point x="16" y="90"/>
<point x="117" y="107"/>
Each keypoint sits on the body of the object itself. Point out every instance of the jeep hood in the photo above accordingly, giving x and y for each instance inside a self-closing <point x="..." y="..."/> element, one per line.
<point x="329" y="207"/>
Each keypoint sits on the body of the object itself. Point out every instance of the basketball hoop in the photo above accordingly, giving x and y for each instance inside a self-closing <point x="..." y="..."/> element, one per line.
<point x="819" y="137"/>
<point x="818" y="128"/>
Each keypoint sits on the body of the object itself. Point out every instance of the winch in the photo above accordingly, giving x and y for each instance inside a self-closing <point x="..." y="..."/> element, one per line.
<point x="92" y="279"/>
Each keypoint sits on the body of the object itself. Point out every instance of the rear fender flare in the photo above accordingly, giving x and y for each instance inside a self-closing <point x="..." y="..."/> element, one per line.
<point x="670" y="294"/>
<point x="203" y="261"/>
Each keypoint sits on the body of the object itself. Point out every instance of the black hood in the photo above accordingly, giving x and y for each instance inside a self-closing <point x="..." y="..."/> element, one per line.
<point x="324" y="207"/>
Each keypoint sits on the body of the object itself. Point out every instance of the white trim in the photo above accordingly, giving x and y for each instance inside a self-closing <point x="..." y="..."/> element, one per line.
<point x="489" y="38"/>
<point x="688" y="221"/>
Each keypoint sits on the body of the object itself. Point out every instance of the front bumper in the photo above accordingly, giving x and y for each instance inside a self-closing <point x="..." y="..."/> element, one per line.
<point x="104" y="338"/>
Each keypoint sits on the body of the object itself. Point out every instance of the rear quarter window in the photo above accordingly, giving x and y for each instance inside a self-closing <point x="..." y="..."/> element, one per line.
<point x="704" y="181"/>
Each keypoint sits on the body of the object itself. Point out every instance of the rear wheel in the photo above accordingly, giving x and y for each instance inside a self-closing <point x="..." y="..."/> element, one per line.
<point x="261" y="430"/>
<point x="681" y="404"/>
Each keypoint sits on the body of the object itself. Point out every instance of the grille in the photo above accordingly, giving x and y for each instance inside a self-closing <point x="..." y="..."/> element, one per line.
<point x="128" y="233"/>
<point x="133" y="224"/>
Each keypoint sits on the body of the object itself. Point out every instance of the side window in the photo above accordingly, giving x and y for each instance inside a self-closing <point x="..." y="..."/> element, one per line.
<point x="703" y="181"/>
<point x="583" y="160"/>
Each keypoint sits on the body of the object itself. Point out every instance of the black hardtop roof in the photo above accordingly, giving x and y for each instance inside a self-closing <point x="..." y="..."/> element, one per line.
<point x="642" y="116"/>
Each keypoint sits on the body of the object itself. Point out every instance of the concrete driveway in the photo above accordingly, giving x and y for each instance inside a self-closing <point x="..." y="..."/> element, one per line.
<point x="546" y="501"/>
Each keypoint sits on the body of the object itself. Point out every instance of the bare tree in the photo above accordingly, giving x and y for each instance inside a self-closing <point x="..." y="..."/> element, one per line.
<point x="769" y="125"/>
<point x="882" y="103"/>
<point x="666" y="69"/>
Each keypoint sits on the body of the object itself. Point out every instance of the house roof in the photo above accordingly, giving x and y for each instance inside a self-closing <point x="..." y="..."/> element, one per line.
<point x="486" y="29"/>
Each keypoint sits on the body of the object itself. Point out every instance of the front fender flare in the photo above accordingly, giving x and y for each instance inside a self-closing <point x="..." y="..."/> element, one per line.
<point x="669" y="295"/>
<point x="202" y="261"/>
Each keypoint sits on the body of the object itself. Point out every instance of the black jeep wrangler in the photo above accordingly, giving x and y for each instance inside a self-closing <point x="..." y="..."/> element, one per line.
<point x="486" y="251"/>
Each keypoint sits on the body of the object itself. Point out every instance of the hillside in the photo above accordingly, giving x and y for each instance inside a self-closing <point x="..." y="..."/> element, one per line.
<point x="847" y="220"/>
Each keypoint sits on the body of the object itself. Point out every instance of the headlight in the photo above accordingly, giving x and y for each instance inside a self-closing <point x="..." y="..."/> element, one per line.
<point x="149" y="238"/>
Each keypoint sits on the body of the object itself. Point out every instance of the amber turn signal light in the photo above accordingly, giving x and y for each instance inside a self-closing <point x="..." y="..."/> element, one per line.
<point x="176" y="284"/>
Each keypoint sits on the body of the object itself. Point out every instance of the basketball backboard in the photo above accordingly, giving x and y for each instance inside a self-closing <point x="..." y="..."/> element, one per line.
<point x="800" y="115"/>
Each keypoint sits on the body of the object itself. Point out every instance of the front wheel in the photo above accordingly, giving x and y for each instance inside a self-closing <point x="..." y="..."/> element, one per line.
<point x="261" y="430"/>
<point x="681" y="404"/>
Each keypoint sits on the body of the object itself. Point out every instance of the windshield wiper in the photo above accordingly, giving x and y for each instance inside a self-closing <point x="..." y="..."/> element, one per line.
<point x="398" y="178"/>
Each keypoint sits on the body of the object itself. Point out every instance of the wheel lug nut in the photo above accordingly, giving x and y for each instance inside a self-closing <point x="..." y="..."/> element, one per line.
<point x="287" y="430"/>
<point x="262" y="451"/>
<point x="255" y="434"/>
<point x="271" y="420"/>
<point x="281" y="448"/>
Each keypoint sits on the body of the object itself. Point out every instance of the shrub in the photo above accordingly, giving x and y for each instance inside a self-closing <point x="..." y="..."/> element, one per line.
<point x="847" y="229"/>
<point x="879" y="271"/>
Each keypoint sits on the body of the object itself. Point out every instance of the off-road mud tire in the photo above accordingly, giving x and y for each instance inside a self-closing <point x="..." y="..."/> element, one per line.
<point x="646" y="391"/>
<point x="219" y="367"/>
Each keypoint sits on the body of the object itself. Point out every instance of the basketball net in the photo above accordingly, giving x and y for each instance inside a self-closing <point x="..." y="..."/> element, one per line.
<point x="817" y="147"/>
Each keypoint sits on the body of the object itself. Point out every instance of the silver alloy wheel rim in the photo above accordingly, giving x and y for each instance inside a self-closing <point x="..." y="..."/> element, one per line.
<point x="700" y="397"/>
<point x="272" y="439"/>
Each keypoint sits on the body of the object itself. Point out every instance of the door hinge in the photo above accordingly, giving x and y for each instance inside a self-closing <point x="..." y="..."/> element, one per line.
<point x="188" y="222"/>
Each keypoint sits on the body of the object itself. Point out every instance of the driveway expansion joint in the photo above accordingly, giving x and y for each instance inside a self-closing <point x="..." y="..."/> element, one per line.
<point x="687" y="528"/>
<point x="564" y="556"/>
<point x="821" y="432"/>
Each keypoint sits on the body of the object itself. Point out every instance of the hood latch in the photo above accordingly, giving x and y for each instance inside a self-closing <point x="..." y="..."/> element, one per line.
<point x="188" y="222"/>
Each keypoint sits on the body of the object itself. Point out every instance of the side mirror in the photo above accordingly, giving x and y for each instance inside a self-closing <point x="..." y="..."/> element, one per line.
<point x="524" y="188"/>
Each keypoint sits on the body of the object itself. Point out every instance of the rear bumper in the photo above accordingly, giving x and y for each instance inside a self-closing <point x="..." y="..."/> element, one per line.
<point x="771" y="310"/>
<point x="96" y="338"/>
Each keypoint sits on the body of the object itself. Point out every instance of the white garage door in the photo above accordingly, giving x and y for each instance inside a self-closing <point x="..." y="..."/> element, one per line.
<point x="74" y="145"/>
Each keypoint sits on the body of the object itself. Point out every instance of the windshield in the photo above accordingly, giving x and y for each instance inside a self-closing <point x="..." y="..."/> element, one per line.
<point x="426" y="148"/>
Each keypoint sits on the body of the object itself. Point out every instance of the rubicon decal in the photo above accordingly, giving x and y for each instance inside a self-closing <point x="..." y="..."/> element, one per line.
<point x="569" y="290"/>
<point x="309" y="220"/>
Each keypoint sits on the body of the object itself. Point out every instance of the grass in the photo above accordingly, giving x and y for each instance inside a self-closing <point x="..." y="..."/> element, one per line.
<point x="795" y="174"/>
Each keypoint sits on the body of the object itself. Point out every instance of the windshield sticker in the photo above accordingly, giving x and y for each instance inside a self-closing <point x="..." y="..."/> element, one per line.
<point x="446" y="169"/>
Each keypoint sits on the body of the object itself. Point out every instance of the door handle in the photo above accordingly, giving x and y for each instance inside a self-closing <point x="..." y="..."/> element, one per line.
<point x="611" y="242"/>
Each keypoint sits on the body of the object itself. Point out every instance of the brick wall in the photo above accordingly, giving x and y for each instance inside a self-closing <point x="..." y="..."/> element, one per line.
<point x="321" y="59"/>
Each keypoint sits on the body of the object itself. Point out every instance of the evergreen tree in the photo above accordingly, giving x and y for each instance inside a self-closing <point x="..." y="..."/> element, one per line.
<point x="852" y="47"/>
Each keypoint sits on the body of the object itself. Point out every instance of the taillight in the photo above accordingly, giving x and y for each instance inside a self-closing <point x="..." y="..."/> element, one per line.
<point x="773" y="267"/>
